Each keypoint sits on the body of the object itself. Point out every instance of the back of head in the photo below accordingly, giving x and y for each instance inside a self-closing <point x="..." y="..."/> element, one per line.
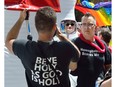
<point x="106" y="34"/>
<point x="45" y="19"/>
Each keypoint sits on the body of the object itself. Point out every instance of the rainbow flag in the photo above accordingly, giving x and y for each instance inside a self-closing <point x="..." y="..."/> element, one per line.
<point x="101" y="11"/>
<point x="80" y="1"/>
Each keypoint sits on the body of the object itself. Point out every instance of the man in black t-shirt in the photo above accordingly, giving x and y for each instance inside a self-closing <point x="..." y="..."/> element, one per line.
<point x="46" y="62"/>
<point x="94" y="53"/>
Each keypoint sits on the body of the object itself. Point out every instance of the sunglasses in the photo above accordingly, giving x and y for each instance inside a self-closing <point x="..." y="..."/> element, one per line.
<point x="67" y="24"/>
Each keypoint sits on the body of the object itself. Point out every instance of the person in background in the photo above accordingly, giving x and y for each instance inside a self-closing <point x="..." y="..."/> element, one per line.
<point x="105" y="35"/>
<point x="71" y="32"/>
<point x="66" y="19"/>
<point x="46" y="62"/>
<point x="70" y="28"/>
<point x="94" y="53"/>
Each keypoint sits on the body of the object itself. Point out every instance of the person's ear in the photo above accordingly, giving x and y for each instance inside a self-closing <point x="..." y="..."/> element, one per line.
<point x="55" y="27"/>
<point x="96" y="27"/>
<point x="100" y="36"/>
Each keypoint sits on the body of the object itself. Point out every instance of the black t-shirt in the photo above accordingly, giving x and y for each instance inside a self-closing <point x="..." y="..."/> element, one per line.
<point x="39" y="72"/>
<point x="90" y="64"/>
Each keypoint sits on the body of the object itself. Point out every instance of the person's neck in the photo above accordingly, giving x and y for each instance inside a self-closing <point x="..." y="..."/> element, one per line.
<point x="45" y="40"/>
<point x="92" y="39"/>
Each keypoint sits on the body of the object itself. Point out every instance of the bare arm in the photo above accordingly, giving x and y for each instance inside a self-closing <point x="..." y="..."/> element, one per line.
<point x="13" y="33"/>
<point x="63" y="38"/>
<point x="72" y="65"/>
<point x="107" y="83"/>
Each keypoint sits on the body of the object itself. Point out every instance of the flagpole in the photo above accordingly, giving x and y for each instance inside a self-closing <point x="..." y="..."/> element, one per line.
<point x="29" y="36"/>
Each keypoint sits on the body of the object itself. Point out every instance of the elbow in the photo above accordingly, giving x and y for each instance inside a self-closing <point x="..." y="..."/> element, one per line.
<point x="73" y="66"/>
<point x="73" y="69"/>
<point x="8" y="44"/>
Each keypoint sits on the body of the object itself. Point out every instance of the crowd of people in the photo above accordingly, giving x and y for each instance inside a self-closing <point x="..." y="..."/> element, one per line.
<point x="79" y="53"/>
